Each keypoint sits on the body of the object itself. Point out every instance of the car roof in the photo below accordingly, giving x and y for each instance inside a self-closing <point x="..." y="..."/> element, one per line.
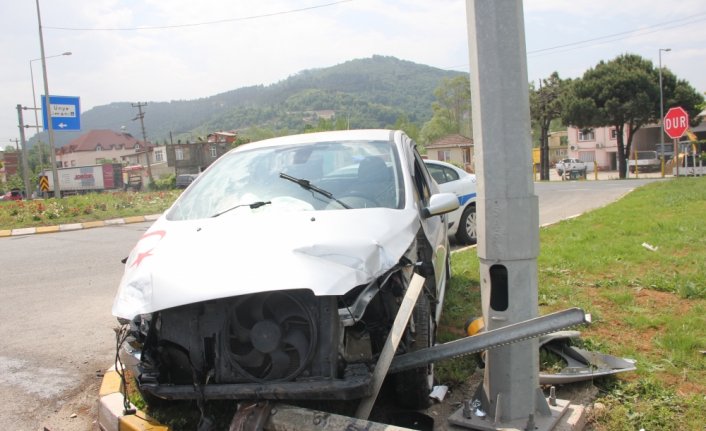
<point x="338" y="135"/>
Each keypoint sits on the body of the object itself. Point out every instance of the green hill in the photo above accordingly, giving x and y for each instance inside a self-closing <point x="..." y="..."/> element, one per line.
<point x="369" y="92"/>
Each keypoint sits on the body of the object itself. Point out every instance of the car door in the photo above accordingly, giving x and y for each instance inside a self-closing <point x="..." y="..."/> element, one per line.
<point x="434" y="227"/>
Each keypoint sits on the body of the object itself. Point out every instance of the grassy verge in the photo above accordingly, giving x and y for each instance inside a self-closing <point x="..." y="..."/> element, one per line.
<point x="646" y="305"/>
<point x="83" y="208"/>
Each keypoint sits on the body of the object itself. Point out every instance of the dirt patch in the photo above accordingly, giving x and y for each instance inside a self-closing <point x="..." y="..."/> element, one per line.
<point x="78" y="411"/>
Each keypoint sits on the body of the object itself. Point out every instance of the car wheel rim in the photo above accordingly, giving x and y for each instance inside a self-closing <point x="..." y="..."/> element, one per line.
<point x="471" y="227"/>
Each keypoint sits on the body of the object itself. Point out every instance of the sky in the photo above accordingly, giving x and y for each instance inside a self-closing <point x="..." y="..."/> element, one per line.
<point x="163" y="50"/>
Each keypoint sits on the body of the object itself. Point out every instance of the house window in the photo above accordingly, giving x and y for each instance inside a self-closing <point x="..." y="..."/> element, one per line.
<point x="587" y="156"/>
<point x="179" y="154"/>
<point x="214" y="154"/>
<point x="586" y="135"/>
<point x="466" y="155"/>
<point x="613" y="134"/>
<point x="73" y="163"/>
<point x="137" y="147"/>
<point x="99" y="148"/>
<point x="158" y="157"/>
<point x="444" y="155"/>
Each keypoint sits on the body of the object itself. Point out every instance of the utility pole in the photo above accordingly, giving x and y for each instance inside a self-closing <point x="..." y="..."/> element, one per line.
<point x="17" y="145"/>
<point x="25" y="154"/>
<point x="141" y="117"/>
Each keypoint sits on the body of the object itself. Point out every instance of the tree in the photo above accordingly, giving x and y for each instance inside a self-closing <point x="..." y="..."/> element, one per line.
<point x="15" y="182"/>
<point x="451" y="111"/>
<point x="545" y="106"/>
<point x="409" y="127"/>
<point x="624" y="93"/>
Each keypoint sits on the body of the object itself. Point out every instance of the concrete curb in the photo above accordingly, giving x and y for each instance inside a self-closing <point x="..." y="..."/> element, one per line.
<point x="110" y="409"/>
<point x="76" y="226"/>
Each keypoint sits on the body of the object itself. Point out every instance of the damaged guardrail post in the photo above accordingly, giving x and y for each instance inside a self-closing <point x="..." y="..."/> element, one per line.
<point x="508" y="210"/>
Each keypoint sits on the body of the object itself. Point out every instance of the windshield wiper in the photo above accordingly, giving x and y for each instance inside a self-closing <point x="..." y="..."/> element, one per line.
<point x="306" y="184"/>
<point x="252" y="207"/>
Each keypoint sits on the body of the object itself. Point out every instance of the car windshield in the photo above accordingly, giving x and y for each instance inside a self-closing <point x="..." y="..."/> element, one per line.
<point x="304" y="177"/>
<point x="646" y="155"/>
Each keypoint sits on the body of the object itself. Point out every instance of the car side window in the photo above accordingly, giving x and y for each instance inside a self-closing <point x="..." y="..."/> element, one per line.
<point x="437" y="172"/>
<point x="421" y="179"/>
<point x="450" y="174"/>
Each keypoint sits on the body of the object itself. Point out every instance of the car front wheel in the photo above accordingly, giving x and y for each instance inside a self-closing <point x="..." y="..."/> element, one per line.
<point x="412" y="387"/>
<point x="468" y="226"/>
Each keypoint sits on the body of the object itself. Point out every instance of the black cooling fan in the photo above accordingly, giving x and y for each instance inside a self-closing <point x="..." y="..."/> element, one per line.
<point x="272" y="336"/>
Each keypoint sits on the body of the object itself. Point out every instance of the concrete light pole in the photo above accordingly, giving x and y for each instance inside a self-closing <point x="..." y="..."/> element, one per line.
<point x="661" y="108"/>
<point x="508" y="214"/>
<point x="34" y="100"/>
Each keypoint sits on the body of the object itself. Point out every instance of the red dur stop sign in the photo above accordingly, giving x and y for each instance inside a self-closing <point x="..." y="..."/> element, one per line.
<point x="676" y="121"/>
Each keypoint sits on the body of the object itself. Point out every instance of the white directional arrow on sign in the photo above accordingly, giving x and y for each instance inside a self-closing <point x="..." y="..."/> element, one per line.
<point x="63" y="125"/>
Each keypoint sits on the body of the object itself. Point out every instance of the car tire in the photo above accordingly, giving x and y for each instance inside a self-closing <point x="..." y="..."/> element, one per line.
<point x="468" y="226"/>
<point x="412" y="387"/>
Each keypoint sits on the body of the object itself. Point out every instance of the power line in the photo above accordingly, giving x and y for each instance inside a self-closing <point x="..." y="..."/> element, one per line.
<point x="624" y="34"/>
<point x="220" y="21"/>
<point x="587" y="43"/>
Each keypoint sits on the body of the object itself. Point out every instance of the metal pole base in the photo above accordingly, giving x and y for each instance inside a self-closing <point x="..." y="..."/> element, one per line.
<point x="557" y="409"/>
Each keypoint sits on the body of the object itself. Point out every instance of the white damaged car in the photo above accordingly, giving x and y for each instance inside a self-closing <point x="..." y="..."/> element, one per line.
<point x="277" y="274"/>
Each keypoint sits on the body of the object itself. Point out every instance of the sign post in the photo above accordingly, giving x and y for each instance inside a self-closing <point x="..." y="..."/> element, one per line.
<point x="676" y="121"/>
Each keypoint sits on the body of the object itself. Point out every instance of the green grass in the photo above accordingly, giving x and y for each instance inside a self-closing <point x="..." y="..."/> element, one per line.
<point x="646" y="305"/>
<point x="83" y="208"/>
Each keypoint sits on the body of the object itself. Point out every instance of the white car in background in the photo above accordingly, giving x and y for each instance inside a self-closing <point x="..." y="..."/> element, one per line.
<point x="452" y="179"/>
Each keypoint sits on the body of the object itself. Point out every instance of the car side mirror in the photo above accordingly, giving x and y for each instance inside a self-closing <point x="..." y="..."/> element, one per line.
<point x="441" y="203"/>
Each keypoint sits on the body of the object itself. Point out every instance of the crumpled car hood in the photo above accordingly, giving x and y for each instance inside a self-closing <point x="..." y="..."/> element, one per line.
<point x="329" y="252"/>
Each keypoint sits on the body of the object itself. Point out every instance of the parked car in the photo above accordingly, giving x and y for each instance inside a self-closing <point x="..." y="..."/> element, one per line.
<point x="12" y="195"/>
<point x="278" y="274"/>
<point x="452" y="179"/>
<point x="183" y="180"/>
<point x="647" y="161"/>
<point x="571" y="165"/>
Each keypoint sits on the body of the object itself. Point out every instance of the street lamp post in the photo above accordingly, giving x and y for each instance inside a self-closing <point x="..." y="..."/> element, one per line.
<point x="50" y="129"/>
<point x="661" y="108"/>
<point x="34" y="99"/>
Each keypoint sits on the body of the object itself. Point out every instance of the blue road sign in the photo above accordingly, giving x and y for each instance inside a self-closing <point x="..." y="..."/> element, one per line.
<point x="65" y="112"/>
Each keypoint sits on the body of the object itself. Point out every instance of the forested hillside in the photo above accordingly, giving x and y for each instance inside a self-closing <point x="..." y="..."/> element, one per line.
<point x="370" y="92"/>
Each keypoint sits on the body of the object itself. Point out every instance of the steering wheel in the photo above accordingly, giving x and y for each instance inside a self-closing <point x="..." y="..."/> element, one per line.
<point x="357" y="199"/>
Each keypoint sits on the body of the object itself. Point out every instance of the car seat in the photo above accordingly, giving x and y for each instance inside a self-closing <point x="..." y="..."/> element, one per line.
<point x="375" y="181"/>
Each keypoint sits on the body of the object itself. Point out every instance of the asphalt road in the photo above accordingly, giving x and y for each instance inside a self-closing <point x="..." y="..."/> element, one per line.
<point x="56" y="330"/>
<point x="559" y="200"/>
